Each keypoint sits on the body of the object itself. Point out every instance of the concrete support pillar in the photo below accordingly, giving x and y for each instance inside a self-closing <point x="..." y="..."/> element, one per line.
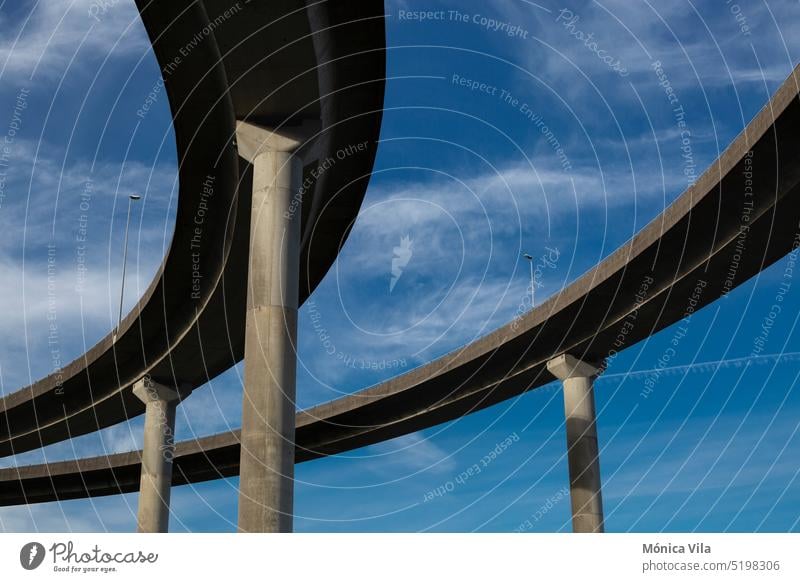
<point x="158" y="451"/>
<point x="582" y="449"/>
<point x="266" y="477"/>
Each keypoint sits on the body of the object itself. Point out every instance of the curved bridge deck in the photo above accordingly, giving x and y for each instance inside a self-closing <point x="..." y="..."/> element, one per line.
<point x="224" y="61"/>
<point x="690" y="253"/>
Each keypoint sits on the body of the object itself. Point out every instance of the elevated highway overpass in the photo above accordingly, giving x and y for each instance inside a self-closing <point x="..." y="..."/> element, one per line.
<point x="238" y="69"/>
<point x="278" y="66"/>
<point x="742" y="215"/>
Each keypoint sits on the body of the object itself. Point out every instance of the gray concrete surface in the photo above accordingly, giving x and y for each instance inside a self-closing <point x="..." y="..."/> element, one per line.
<point x="266" y="480"/>
<point x="327" y="63"/>
<point x="683" y="257"/>
<point x="583" y="453"/>
<point x="158" y="451"/>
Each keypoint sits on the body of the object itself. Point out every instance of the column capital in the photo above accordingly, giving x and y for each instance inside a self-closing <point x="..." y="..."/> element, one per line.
<point x="567" y="366"/>
<point x="252" y="140"/>
<point x="147" y="390"/>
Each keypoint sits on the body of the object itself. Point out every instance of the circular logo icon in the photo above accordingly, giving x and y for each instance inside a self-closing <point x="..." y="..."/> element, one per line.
<point x="31" y="555"/>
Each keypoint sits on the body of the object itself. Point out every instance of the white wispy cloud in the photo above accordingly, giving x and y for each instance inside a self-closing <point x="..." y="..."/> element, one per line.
<point x="46" y="203"/>
<point x="404" y="456"/>
<point x="465" y="277"/>
<point x="48" y="38"/>
<point x="702" y="44"/>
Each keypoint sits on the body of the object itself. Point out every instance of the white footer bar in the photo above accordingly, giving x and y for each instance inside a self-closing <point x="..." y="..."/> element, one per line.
<point x="399" y="557"/>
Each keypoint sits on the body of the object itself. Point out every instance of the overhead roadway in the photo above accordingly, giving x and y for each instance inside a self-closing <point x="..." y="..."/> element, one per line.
<point x="742" y="215"/>
<point x="269" y="63"/>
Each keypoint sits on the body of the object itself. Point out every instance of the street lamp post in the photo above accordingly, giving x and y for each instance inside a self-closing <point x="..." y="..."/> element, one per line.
<point x="533" y="287"/>
<point x="131" y="199"/>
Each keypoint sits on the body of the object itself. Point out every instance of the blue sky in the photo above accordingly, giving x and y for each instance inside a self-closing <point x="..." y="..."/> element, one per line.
<point x="469" y="170"/>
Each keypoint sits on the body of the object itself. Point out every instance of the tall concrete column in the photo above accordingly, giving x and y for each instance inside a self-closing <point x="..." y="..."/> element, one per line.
<point x="266" y="477"/>
<point x="582" y="449"/>
<point x="158" y="451"/>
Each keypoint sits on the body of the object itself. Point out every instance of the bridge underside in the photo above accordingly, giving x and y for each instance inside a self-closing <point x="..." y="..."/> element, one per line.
<point x="276" y="63"/>
<point x="741" y="216"/>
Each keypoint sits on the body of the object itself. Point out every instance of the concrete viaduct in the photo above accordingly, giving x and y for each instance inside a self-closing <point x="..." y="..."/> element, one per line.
<point x="255" y="109"/>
